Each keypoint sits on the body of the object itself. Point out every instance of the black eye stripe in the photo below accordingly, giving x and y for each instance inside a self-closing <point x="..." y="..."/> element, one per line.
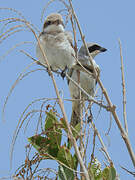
<point x="93" y="48"/>
<point x="47" y="23"/>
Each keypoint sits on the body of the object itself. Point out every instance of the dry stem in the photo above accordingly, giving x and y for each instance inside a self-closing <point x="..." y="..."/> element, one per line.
<point x="123" y="89"/>
<point x="112" y="107"/>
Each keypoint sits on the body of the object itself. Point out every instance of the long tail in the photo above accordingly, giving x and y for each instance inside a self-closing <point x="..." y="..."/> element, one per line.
<point x="75" y="117"/>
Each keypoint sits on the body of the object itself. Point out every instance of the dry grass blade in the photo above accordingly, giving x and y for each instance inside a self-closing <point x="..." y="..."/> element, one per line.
<point x="13" y="21"/>
<point x="12" y="88"/>
<point x="29" y="105"/>
<point x="13" y="10"/>
<point x="46" y="169"/>
<point x="5" y="25"/>
<point x="49" y="2"/>
<point x="27" y="123"/>
<point x="40" y="116"/>
<point x="11" y="29"/>
<point x="16" y="132"/>
<point x="21" y="76"/>
<point x="3" y="178"/>
<point x="32" y="71"/>
<point x="27" y="23"/>
<point x="14" y="85"/>
<point x="36" y="61"/>
<point x="19" y="14"/>
<point x="23" y="118"/>
<point x="12" y="48"/>
<point x="11" y="34"/>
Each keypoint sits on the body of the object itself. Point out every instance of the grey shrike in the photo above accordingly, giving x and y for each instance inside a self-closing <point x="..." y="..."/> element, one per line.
<point x="87" y="81"/>
<point x="57" y="44"/>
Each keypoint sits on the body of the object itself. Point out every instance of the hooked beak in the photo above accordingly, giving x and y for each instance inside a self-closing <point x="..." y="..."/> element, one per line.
<point x="103" y="49"/>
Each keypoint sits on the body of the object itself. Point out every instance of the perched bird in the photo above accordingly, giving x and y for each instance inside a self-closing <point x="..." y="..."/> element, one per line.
<point x="57" y="44"/>
<point x="87" y="81"/>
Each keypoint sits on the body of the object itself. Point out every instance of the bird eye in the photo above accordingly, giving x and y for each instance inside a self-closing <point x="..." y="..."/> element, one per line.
<point x="48" y="22"/>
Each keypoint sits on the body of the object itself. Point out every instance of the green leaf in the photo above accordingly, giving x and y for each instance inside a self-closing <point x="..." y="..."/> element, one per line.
<point x="43" y="146"/>
<point x="107" y="174"/>
<point x="50" y="120"/>
<point x="75" y="160"/>
<point x="53" y="129"/>
<point x="37" y="141"/>
<point x="94" y="169"/>
<point x="65" y="156"/>
<point x="76" y="130"/>
<point x="113" y="172"/>
<point x="64" y="126"/>
<point x="51" y="143"/>
<point x="65" y="173"/>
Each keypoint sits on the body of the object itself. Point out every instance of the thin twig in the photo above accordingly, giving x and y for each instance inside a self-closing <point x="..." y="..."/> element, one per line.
<point x="90" y="98"/>
<point x="81" y="122"/>
<point x="130" y="172"/>
<point x="93" y="149"/>
<point x="123" y="90"/>
<point x="102" y="143"/>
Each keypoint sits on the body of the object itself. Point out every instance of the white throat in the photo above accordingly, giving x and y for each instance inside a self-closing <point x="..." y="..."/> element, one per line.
<point x="53" y="28"/>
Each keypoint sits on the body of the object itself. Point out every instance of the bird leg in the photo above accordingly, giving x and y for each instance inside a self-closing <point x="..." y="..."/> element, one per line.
<point x="63" y="73"/>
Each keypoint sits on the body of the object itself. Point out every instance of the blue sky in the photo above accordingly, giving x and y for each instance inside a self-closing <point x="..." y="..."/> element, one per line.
<point x="102" y="22"/>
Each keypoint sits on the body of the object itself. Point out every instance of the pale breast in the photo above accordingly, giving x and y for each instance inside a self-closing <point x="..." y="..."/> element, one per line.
<point x="86" y="82"/>
<point x="58" y="50"/>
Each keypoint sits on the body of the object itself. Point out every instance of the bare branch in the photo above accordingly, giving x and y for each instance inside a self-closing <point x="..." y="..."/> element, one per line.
<point x="123" y="89"/>
<point x="130" y="172"/>
<point x="102" y="143"/>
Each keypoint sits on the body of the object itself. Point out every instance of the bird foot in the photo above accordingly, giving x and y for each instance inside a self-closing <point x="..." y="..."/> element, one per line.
<point x="63" y="73"/>
<point x="47" y="70"/>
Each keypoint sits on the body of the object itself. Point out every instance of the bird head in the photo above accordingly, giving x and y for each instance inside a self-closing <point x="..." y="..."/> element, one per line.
<point x="94" y="49"/>
<point x="53" y="22"/>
